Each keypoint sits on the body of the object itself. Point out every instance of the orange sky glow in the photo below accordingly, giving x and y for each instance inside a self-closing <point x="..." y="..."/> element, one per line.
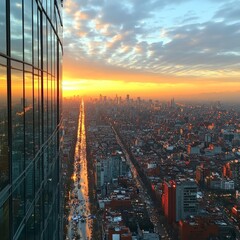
<point x="92" y="80"/>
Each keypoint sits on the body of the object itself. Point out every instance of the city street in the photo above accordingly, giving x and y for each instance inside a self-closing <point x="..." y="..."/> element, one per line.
<point x="80" y="219"/>
<point x="153" y="213"/>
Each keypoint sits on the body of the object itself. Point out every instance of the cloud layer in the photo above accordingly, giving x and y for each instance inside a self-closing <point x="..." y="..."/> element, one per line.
<point x="177" y="38"/>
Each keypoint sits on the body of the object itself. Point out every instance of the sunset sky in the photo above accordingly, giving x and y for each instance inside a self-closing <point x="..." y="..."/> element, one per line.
<point x="152" y="48"/>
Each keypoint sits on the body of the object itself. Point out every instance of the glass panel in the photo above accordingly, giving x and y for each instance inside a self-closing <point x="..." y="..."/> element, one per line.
<point x="37" y="174"/>
<point x="37" y="112"/>
<point x="45" y="106"/>
<point x="30" y="228"/>
<point x="54" y="113"/>
<point x="46" y="202"/>
<point x="28" y="31"/>
<point x="28" y="109"/>
<point x="49" y="105"/>
<point x="54" y="56"/>
<point x="49" y="49"/>
<point x="3" y="26"/>
<point x="29" y="187"/>
<point x="16" y="29"/>
<point x="45" y="236"/>
<point x="4" y="160"/>
<point x="45" y="162"/>
<point x="4" y="221"/>
<point x="38" y="219"/>
<point x="49" y="3"/>
<point x="44" y="35"/>
<point x="22" y="235"/>
<point x="60" y="79"/>
<point x="17" y="123"/>
<point x="18" y="206"/>
<point x="35" y="34"/>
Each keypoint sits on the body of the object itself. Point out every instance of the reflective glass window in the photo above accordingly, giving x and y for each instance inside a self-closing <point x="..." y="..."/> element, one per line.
<point x="49" y="49"/>
<point x="29" y="186"/>
<point x="44" y="37"/>
<point x="3" y="26"/>
<point x="17" y="122"/>
<point x="37" y="111"/>
<point x="30" y="227"/>
<point x="18" y="206"/>
<point x="46" y="201"/>
<point x="28" y="110"/>
<point x="4" y="159"/>
<point x="16" y="29"/>
<point x="28" y="31"/>
<point x="35" y="34"/>
<point x="23" y="234"/>
<point x="50" y="107"/>
<point x="54" y="102"/>
<point x="37" y="173"/>
<point x="38" y="219"/>
<point x="4" y="221"/>
<point x="45" y="106"/>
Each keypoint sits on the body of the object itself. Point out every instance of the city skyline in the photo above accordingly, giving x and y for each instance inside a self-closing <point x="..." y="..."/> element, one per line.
<point x="154" y="49"/>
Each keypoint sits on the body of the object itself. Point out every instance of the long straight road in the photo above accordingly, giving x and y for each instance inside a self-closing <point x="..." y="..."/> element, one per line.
<point x="80" y="222"/>
<point x="153" y="213"/>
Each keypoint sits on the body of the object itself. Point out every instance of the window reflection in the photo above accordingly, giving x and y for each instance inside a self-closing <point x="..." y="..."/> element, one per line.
<point x="17" y="123"/>
<point x="4" y="160"/>
<point x="37" y="111"/>
<point x="4" y="221"/>
<point x="28" y="31"/>
<point x="16" y="29"/>
<point x="33" y="107"/>
<point x="28" y="113"/>
<point x="29" y="186"/>
<point x="45" y="105"/>
<point x="18" y="206"/>
<point x="30" y="228"/>
<point x="36" y="42"/>
<point x="38" y="219"/>
<point x="3" y="26"/>
<point x="44" y="36"/>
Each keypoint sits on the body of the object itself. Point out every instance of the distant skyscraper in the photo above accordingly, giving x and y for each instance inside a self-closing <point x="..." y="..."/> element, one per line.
<point x="30" y="117"/>
<point x="127" y="98"/>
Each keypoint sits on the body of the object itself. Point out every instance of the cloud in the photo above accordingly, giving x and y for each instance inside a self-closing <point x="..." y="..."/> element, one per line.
<point x="229" y="11"/>
<point x="131" y="36"/>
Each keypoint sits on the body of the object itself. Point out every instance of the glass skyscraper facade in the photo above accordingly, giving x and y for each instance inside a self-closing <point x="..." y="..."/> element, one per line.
<point x="30" y="119"/>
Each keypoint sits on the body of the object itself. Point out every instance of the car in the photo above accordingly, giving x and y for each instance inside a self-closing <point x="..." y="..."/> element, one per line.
<point x="74" y="218"/>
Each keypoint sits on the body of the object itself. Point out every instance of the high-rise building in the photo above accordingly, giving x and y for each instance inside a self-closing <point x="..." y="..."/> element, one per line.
<point x="109" y="170"/>
<point x="179" y="199"/>
<point x="201" y="173"/>
<point x="169" y="200"/>
<point x="186" y="198"/>
<point x="30" y="119"/>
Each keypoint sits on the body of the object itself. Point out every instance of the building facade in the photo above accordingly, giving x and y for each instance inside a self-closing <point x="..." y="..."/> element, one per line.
<point x="169" y="200"/>
<point x="186" y="198"/>
<point x="179" y="199"/>
<point x="30" y="119"/>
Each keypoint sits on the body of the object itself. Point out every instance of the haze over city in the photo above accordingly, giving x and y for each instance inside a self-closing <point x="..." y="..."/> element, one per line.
<point x="156" y="49"/>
